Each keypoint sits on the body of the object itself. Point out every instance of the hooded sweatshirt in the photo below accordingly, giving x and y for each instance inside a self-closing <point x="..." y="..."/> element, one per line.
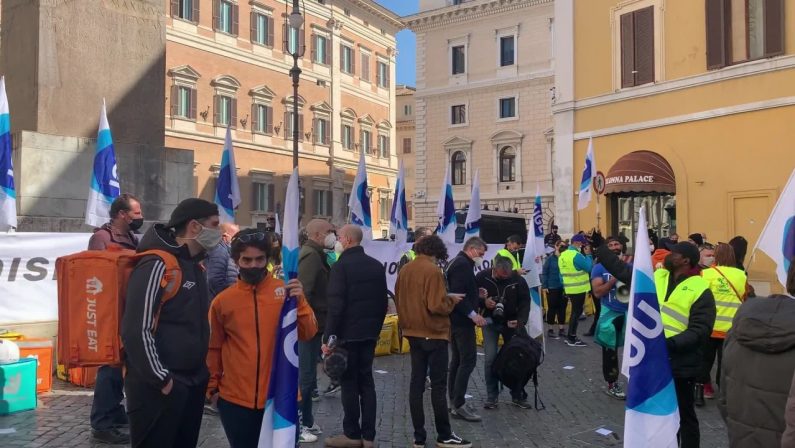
<point x="176" y="347"/>
<point x="758" y="365"/>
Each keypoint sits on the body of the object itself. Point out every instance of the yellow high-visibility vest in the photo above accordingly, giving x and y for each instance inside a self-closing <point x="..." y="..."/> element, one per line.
<point x="507" y="254"/>
<point x="675" y="311"/>
<point x="726" y="301"/>
<point x="574" y="280"/>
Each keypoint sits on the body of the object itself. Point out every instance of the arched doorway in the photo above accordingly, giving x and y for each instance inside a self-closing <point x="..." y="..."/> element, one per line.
<point x="637" y="179"/>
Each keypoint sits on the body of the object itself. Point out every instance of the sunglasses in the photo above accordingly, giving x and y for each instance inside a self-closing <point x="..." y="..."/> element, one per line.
<point x="249" y="237"/>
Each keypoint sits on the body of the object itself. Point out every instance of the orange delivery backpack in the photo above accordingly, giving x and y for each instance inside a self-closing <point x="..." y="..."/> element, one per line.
<point x="92" y="289"/>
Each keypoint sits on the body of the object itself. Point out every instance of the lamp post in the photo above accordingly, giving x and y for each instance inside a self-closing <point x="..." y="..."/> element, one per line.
<point x="294" y="23"/>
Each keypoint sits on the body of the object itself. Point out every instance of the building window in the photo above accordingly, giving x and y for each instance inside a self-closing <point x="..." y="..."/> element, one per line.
<point x="262" y="119"/>
<point x="226" y="17"/>
<point x="183" y="102"/>
<point x="322" y="203"/>
<point x="365" y="70"/>
<point x="185" y="10"/>
<point x="637" y="47"/>
<point x="346" y="59"/>
<point x="293" y="39"/>
<point x="406" y="146"/>
<point x="261" y="29"/>
<point x="459" y="168"/>
<point x="383" y="74"/>
<point x="264" y="194"/>
<point x="458" y="114"/>
<point x="289" y="117"/>
<point x="507" y="51"/>
<point x="507" y="164"/>
<point x="346" y="199"/>
<point x="347" y="137"/>
<point x="385" y="208"/>
<point x="407" y="110"/>
<point x="383" y="146"/>
<point x="508" y="107"/>
<point x="459" y="59"/>
<point x="743" y="30"/>
<point x="321" y="131"/>
<point x="320" y="49"/>
<point x="225" y="111"/>
<point x="366" y="142"/>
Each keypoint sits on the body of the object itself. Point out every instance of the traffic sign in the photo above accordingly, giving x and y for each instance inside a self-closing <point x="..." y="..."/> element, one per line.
<point x="599" y="182"/>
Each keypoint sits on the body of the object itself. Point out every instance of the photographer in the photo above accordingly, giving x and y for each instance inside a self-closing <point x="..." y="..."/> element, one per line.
<point x="506" y="309"/>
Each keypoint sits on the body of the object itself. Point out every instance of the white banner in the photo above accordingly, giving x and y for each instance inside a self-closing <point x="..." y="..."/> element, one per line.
<point x="28" y="290"/>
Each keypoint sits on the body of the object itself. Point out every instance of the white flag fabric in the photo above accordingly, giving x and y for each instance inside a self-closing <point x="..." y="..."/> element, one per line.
<point x="278" y="225"/>
<point x="538" y="224"/>
<point x="8" y="192"/>
<point x="104" y="179"/>
<point x="651" y="418"/>
<point x="586" y="182"/>
<point x="227" y="190"/>
<point x="359" y="203"/>
<point x="531" y="262"/>
<point x="399" y="219"/>
<point x="445" y="211"/>
<point x="472" y="223"/>
<point x="778" y="237"/>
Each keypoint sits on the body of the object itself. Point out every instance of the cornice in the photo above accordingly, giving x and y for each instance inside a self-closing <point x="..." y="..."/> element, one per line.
<point x="380" y="12"/>
<point x="469" y="11"/>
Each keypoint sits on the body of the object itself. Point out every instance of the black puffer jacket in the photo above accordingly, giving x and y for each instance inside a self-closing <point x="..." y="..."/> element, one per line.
<point x="460" y="274"/>
<point x="758" y="364"/>
<point x="512" y="291"/>
<point x="357" y="297"/>
<point x="178" y="347"/>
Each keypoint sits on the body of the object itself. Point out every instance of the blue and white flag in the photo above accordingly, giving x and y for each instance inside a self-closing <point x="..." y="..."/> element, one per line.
<point x="778" y="237"/>
<point x="8" y="194"/>
<point x="104" y="179"/>
<point x="588" y="173"/>
<point x="472" y="222"/>
<point x="531" y="262"/>
<point x="280" y="420"/>
<point x="538" y="224"/>
<point x="278" y="225"/>
<point x="227" y="189"/>
<point x="445" y="211"/>
<point x="359" y="203"/>
<point x="399" y="219"/>
<point x="652" y="415"/>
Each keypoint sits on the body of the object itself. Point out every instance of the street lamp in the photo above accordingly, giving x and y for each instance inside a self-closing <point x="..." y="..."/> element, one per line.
<point x="294" y="22"/>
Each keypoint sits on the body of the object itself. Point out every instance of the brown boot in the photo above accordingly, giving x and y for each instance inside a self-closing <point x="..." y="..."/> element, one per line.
<point x="342" y="441"/>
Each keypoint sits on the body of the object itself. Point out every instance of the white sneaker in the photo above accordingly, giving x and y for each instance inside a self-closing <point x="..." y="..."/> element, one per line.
<point x="314" y="429"/>
<point x="306" y="436"/>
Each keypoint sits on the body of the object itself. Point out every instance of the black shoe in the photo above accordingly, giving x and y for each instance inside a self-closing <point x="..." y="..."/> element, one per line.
<point x="111" y="436"/>
<point x="452" y="442"/>
<point x="576" y="342"/>
<point x="522" y="403"/>
<point x="418" y="444"/>
<point x="700" y="395"/>
<point x="332" y="389"/>
<point x="561" y="333"/>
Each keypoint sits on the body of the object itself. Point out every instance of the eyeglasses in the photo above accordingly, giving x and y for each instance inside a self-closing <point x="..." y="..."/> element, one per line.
<point x="249" y="237"/>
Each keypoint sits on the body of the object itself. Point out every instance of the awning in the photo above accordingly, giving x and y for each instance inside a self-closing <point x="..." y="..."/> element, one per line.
<point x="640" y="172"/>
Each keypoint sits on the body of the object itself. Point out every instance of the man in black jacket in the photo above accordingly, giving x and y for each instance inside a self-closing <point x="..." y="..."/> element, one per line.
<point x="460" y="275"/>
<point x="507" y="292"/>
<point x="166" y="346"/>
<point x="357" y="302"/>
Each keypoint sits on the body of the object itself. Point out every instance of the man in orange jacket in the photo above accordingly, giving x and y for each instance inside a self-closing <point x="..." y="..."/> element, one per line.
<point x="243" y="323"/>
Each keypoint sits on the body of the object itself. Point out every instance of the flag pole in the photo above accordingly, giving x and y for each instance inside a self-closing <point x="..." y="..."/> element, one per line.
<point x="598" y="214"/>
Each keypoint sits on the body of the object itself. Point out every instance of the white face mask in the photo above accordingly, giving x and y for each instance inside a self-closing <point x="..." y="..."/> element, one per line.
<point x="338" y="247"/>
<point x="651" y="248"/>
<point x="209" y="238"/>
<point x="478" y="262"/>
<point x="330" y="241"/>
<point x="708" y="261"/>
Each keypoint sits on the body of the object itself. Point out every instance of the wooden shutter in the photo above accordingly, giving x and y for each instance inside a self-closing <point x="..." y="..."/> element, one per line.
<point x="285" y="38"/>
<point x="255" y="118"/>
<point x="216" y="14"/>
<point x="194" y="101"/>
<point x="300" y="127"/>
<point x="236" y="20"/>
<point x="233" y="119"/>
<point x="195" y="16"/>
<point x="644" y="45"/>
<point x="378" y="73"/>
<point x="353" y="61"/>
<point x="365" y="67"/>
<point x="328" y="204"/>
<point x="314" y="47"/>
<point x="342" y="57"/>
<point x="271" y="197"/>
<point x="216" y="109"/>
<point x="174" y="100"/>
<point x="315" y="137"/>
<point x="327" y="133"/>
<point x="301" y="42"/>
<point x="327" y="53"/>
<point x="174" y="8"/>
<point x="387" y="148"/>
<point x="386" y="74"/>
<point x="717" y="34"/>
<point x="627" y="51"/>
<point x="268" y="120"/>
<point x="774" y="27"/>
<point x="253" y="26"/>
<point x="288" y="126"/>
<point x="270" y="32"/>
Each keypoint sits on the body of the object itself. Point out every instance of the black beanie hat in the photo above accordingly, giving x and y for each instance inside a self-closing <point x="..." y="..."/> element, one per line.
<point x="688" y="251"/>
<point x="697" y="238"/>
<point x="192" y="208"/>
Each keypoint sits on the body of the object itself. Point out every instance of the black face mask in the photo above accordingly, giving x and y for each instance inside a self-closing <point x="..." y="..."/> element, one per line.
<point x="253" y="276"/>
<point x="136" y="224"/>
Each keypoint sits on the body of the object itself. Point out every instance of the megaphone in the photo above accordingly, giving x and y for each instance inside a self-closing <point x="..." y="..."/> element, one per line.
<point x="622" y="292"/>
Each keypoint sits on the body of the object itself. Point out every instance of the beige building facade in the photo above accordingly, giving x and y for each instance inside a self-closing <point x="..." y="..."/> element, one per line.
<point x="484" y="78"/>
<point x="406" y="135"/>
<point x="227" y="64"/>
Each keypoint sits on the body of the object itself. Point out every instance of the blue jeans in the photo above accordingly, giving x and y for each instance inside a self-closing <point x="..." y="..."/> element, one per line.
<point x="106" y="409"/>
<point x="308" y="357"/>
<point x="491" y="334"/>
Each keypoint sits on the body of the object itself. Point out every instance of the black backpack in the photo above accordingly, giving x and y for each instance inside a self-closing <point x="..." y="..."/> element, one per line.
<point x="518" y="361"/>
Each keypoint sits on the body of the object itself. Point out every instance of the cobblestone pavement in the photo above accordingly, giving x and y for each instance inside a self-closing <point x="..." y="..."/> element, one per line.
<point x="576" y="406"/>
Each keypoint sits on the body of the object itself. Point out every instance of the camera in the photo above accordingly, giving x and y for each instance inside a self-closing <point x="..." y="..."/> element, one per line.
<point x="498" y="313"/>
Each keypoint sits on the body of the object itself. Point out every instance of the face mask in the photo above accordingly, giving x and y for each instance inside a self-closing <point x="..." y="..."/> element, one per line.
<point x="708" y="261"/>
<point x="252" y="276"/>
<point x="651" y="248"/>
<point x="330" y="241"/>
<point x="136" y="223"/>
<point x="209" y="238"/>
<point x="338" y="247"/>
<point x="478" y="262"/>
